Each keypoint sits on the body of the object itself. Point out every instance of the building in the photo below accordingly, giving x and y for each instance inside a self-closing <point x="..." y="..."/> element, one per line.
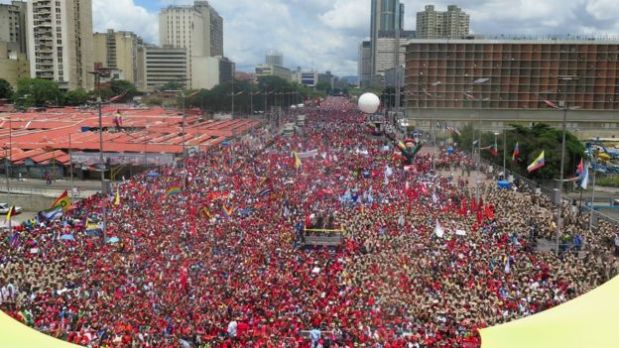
<point x="13" y="65"/>
<point x="60" y="47"/>
<point x="274" y="58"/>
<point x="512" y="80"/>
<point x="212" y="71"/>
<point x="307" y="78"/>
<point x="197" y="28"/>
<point x="386" y="17"/>
<point x="120" y="50"/>
<point x="163" y="65"/>
<point x="364" y="64"/>
<point x="385" y="55"/>
<point x="273" y="70"/>
<point x="452" y="24"/>
<point x="13" y="26"/>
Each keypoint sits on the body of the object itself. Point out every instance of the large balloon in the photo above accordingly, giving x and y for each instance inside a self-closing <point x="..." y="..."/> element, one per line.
<point x="369" y="103"/>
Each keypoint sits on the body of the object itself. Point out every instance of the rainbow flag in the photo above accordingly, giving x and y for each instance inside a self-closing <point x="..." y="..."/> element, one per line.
<point x="538" y="163"/>
<point x="63" y="201"/>
<point x="174" y="190"/>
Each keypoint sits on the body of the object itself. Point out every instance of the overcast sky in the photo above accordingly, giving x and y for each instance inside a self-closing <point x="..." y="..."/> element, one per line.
<point x="325" y="34"/>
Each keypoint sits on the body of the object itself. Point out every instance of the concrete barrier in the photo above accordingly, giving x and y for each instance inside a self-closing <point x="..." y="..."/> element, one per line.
<point x="27" y="202"/>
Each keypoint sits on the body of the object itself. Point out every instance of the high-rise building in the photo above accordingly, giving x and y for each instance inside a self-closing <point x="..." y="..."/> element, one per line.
<point x="60" y="44"/>
<point x="512" y="80"/>
<point x="197" y="28"/>
<point x="387" y="16"/>
<point x="452" y="24"/>
<point x="364" y="67"/>
<point x="274" y="58"/>
<point x="13" y="26"/>
<point x="385" y="54"/>
<point x="163" y="65"/>
<point x="212" y="71"/>
<point x="120" y="50"/>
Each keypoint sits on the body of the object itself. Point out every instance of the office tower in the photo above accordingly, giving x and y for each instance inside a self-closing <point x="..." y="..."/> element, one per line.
<point x="364" y="68"/>
<point x="163" y="65"/>
<point x="387" y="16"/>
<point x="198" y="28"/>
<point x="13" y="26"/>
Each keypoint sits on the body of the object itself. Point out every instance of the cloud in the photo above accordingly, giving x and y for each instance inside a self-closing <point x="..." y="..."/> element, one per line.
<point x="125" y="15"/>
<point x="325" y="34"/>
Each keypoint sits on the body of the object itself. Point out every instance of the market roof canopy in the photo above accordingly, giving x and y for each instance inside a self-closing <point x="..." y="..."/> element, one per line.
<point x="587" y="321"/>
<point x="17" y="335"/>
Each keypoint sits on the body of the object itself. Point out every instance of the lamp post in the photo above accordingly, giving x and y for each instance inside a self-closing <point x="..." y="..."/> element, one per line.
<point x="564" y="107"/>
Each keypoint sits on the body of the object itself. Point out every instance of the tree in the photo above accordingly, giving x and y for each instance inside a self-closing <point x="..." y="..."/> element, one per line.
<point x="531" y="141"/>
<point x="171" y="86"/>
<point x="77" y="97"/>
<point x="37" y="92"/>
<point x="6" y="91"/>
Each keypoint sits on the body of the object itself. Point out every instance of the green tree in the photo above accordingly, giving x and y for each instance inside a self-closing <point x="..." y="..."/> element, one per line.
<point x="531" y="141"/>
<point x="37" y="92"/>
<point x="6" y="91"/>
<point x="171" y="86"/>
<point x="77" y="97"/>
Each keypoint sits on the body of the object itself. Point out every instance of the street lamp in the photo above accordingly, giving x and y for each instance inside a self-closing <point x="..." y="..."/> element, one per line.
<point x="562" y="106"/>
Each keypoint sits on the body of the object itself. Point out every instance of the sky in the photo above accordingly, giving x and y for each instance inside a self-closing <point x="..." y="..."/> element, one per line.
<point x="325" y="34"/>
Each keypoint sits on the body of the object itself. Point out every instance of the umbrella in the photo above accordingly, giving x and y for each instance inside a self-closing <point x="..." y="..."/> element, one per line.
<point x="113" y="240"/>
<point x="67" y="237"/>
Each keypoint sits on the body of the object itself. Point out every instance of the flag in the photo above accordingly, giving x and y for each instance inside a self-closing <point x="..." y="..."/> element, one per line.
<point x="174" y="190"/>
<point x="10" y="213"/>
<point x="516" y="153"/>
<point x="51" y="214"/>
<point x="438" y="230"/>
<point x="508" y="264"/>
<point x="117" y="198"/>
<point x="495" y="149"/>
<point x="454" y="130"/>
<point x="297" y="160"/>
<point x="537" y="163"/>
<point x="581" y="168"/>
<point x="228" y="211"/>
<point x="62" y="201"/>
<point x="584" y="177"/>
<point x="264" y="192"/>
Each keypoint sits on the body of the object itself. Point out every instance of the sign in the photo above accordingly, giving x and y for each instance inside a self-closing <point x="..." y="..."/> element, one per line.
<point x="92" y="158"/>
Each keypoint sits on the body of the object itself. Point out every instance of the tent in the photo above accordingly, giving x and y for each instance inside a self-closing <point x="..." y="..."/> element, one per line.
<point x="586" y="321"/>
<point x="17" y="335"/>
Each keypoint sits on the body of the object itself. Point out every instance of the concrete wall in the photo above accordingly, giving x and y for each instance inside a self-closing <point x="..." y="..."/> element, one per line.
<point x="28" y="202"/>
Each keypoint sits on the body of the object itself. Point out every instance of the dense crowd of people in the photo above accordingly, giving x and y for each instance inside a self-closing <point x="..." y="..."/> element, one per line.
<point x="208" y="253"/>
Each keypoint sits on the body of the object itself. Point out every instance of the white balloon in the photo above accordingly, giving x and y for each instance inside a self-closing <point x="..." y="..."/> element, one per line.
<point x="369" y="103"/>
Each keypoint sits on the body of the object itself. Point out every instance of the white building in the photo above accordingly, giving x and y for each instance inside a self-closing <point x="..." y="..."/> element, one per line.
<point x="60" y="44"/>
<point x="385" y="54"/>
<point x="197" y="28"/>
<point x="212" y="71"/>
<point x="163" y="65"/>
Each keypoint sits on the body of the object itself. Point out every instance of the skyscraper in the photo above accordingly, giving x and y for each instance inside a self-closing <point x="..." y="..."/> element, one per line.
<point x="387" y="16"/>
<point x="452" y="24"/>
<point x="197" y="28"/>
<point x="364" y="68"/>
<point x="60" y="42"/>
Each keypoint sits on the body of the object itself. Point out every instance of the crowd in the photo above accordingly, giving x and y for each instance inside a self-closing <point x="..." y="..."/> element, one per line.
<point x="217" y="263"/>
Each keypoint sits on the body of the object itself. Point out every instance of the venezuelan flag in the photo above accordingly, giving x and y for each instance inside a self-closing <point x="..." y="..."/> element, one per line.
<point x="538" y="163"/>
<point x="174" y="190"/>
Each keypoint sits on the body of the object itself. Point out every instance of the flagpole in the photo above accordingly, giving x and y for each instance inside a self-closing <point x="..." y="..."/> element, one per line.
<point x="592" y="201"/>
